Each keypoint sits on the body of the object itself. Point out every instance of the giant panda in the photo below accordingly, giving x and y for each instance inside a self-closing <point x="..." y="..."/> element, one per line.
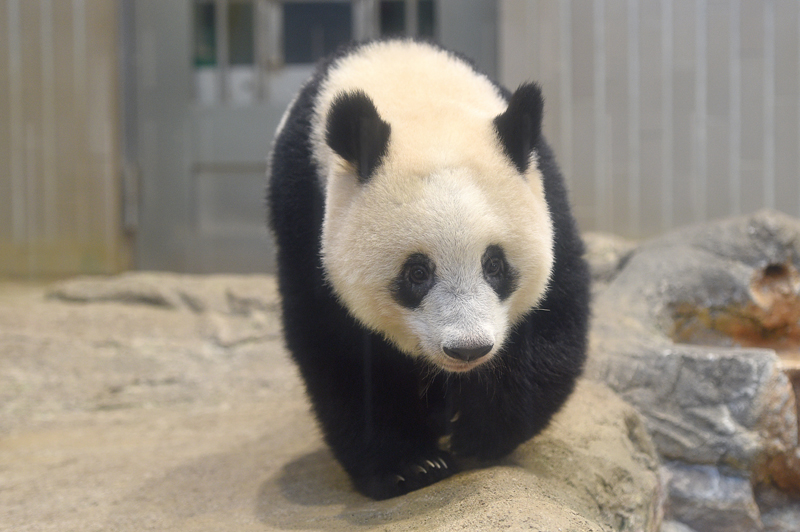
<point x="434" y="292"/>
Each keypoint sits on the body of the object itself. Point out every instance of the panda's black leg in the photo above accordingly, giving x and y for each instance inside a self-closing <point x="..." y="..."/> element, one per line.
<point x="374" y="414"/>
<point x="401" y="428"/>
<point x="385" y="458"/>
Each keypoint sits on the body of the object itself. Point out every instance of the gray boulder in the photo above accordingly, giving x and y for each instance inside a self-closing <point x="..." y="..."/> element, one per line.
<point x="700" y="330"/>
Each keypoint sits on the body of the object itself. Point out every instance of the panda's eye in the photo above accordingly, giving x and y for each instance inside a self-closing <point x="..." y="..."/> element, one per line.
<point x="414" y="280"/>
<point x="499" y="274"/>
<point x="419" y="274"/>
<point x="493" y="267"/>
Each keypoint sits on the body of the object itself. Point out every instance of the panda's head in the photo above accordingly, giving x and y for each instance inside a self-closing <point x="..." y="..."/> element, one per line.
<point x="437" y="233"/>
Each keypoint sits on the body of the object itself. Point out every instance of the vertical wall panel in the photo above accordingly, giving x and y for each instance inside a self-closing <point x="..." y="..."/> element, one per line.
<point x="103" y="141"/>
<point x="718" y="109"/>
<point x="752" y="83"/>
<point x="787" y="136"/>
<point x="602" y="181"/>
<point x="616" y="44"/>
<point x="768" y="104"/>
<point x="80" y="109"/>
<point x="6" y="219"/>
<point x="582" y="105"/>
<point x="16" y="126"/>
<point x="667" y="66"/>
<point x="31" y="79"/>
<point x="633" y="111"/>
<point x="735" y="109"/>
<point x="670" y="111"/>
<point x="65" y="120"/>
<point x="699" y="191"/>
<point x="59" y="205"/>
<point x="651" y="118"/>
<point x="683" y="109"/>
<point x="49" y="175"/>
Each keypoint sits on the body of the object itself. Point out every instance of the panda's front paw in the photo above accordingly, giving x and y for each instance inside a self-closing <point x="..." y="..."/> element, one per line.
<point x="409" y="476"/>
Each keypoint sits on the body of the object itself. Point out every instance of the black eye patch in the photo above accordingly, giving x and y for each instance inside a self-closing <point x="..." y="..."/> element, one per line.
<point x="498" y="272"/>
<point x="416" y="278"/>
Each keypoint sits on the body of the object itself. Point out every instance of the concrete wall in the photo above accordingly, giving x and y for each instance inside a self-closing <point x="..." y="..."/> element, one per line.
<point x="59" y="138"/>
<point x="664" y="112"/>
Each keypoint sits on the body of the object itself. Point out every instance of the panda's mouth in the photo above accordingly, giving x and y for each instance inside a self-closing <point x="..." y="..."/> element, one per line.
<point x="460" y="366"/>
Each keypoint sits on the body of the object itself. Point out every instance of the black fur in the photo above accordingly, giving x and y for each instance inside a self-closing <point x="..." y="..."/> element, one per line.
<point x="381" y="412"/>
<point x="356" y="132"/>
<point x="520" y="126"/>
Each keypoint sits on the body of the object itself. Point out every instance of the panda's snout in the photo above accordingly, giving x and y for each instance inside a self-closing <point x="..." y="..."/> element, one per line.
<point x="467" y="354"/>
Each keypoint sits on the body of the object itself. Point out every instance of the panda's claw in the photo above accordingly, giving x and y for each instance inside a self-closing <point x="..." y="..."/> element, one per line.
<point x="431" y="469"/>
<point x="409" y="476"/>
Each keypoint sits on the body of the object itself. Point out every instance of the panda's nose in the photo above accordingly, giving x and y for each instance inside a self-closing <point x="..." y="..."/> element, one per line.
<point x="467" y="354"/>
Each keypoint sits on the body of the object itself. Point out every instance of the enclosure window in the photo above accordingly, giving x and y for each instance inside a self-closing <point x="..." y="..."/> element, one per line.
<point x="393" y="18"/>
<point x="407" y="17"/>
<point x="241" y="45"/>
<point x="312" y="30"/>
<point x="426" y="23"/>
<point x="225" y="52"/>
<point x="205" y="38"/>
<point x="241" y="41"/>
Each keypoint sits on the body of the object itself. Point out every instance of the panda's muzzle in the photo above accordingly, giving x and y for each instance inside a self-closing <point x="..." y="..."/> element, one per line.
<point x="467" y="354"/>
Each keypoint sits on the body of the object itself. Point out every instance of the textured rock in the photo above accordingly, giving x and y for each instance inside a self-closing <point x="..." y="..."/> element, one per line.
<point x="607" y="254"/>
<point x="779" y="511"/>
<point x="675" y="526"/>
<point x="163" y="402"/>
<point x="705" y="499"/>
<point x="687" y="331"/>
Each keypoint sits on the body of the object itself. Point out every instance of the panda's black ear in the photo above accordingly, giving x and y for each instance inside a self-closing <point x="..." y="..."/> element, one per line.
<point x="520" y="126"/>
<point x="357" y="133"/>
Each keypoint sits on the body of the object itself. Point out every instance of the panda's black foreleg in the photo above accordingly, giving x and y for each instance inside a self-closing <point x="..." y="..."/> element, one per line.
<point x="374" y="417"/>
<point x="401" y="427"/>
<point x="403" y="421"/>
<point x="385" y="448"/>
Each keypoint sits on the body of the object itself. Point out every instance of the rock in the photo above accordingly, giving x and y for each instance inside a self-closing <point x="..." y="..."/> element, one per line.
<point x="779" y="511"/>
<point x="695" y="330"/>
<point x="123" y="407"/>
<point x="675" y="526"/>
<point x="606" y="254"/>
<point x="705" y="499"/>
<point x="226" y="294"/>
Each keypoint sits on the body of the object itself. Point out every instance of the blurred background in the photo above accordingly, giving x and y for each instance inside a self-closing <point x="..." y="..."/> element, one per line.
<point x="134" y="133"/>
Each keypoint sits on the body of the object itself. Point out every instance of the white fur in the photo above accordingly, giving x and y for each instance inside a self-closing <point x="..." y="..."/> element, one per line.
<point x="445" y="189"/>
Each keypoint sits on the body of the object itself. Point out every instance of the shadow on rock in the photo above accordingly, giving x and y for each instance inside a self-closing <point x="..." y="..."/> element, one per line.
<point x="229" y="491"/>
<point x="215" y="489"/>
<point x="313" y="492"/>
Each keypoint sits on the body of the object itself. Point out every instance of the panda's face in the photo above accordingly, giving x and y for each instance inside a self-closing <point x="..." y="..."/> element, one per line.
<point x="456" y="311"/>
<point x="436" y="231"/>
<point x="443" y="265"/>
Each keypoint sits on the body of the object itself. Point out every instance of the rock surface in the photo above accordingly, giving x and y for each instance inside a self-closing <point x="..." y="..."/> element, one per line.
<point x="163" y="402"/>
<point x="696" y="329"/>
